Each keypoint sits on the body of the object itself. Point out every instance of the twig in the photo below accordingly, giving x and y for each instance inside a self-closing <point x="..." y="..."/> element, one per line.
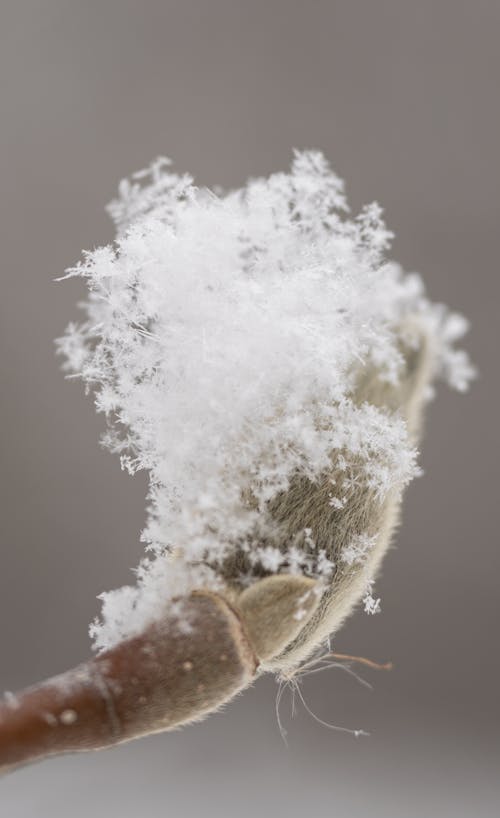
<point x="156" y="681"/>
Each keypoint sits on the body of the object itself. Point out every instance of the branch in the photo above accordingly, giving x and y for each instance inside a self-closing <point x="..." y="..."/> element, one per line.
<point x="156" y="681"/>
<point x="180" y="669"/>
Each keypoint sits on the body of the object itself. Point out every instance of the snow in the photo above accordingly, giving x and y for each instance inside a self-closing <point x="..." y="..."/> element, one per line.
<point x="68" y="717"/>
<point x="222" y="337"/>
<point x="358" y="549"/>
<point x="370" y="603"/>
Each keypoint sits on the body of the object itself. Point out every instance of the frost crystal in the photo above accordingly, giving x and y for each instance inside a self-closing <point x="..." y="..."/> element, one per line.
<point x="372" y="605"/>
<point x="222" y="340"/>
<point x="358" y="549"/>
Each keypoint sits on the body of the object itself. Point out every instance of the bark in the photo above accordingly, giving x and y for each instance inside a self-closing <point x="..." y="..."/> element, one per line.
<point x="157" y="681"/>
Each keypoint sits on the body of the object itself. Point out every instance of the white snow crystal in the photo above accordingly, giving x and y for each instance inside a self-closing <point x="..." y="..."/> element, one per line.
<point x="222" y="337"/>
<point x="358" y="549"/>
<point x="371" y="605"/>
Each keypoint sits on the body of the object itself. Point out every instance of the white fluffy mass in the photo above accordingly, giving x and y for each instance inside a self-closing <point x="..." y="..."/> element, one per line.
<point x="222" y="337"/>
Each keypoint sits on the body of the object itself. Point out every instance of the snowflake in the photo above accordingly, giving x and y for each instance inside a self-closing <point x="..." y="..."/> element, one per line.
<point x="371" y="605"/>
<point x="358" y="549"/>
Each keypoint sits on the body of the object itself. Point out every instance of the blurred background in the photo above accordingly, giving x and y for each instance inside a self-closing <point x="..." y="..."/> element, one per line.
<point x="403" y="99"/>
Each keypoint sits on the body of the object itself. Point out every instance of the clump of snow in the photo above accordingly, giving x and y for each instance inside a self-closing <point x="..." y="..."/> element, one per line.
<point x="68" y="717"/>
<point x="222" y="337"/>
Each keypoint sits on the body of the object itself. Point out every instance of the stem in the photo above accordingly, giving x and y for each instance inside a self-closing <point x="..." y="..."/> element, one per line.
<point x="156" y="681"/>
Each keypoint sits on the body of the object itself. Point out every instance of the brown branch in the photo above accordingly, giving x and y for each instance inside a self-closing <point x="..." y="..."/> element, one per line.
<point x="156" y="681"/>
<point x="181" y="668"/>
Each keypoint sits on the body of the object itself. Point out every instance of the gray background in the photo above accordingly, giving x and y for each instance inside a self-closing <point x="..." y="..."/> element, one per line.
<point x="403" y="98"/>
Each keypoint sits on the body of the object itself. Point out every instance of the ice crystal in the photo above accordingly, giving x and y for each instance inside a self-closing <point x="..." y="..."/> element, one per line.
<point x="222" y="339"/>
<point x="371" y="605"/>
<point x="358" y="549"/>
